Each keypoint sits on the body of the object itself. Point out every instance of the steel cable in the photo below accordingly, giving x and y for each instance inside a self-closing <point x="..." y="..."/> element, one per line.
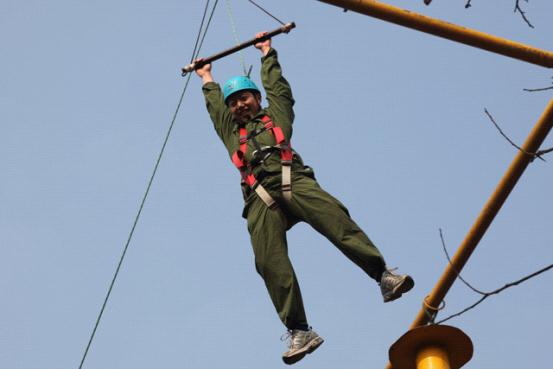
<point x="266" y="12"/>
<point x="145" y="196"/>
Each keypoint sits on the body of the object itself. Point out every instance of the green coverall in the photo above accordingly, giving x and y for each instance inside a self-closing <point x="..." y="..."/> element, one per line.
<point x="310" y="203"/>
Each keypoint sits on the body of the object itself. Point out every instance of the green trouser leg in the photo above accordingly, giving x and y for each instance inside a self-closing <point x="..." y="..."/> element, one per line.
<point x="329" y="217"/>
<point x="310" y="203"/>
<point x="268" y="236"/>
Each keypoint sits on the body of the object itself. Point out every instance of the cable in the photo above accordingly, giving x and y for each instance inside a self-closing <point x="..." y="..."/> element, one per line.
<point x="145" y="196"/>
<point x="199" y="33"/>
<point x="206" y="27"/>
<point x="266" y="12"/>
<point x="235" y="33"/>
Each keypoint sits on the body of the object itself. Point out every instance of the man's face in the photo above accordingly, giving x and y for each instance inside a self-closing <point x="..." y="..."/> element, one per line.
<point x="244" y="105"/>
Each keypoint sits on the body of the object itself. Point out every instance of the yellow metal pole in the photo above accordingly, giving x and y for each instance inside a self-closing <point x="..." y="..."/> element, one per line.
<point x="432" y="357"/>
<point x="486" y="216"/>
<point x="488" y="213"/>
<point x="447" y="30"/>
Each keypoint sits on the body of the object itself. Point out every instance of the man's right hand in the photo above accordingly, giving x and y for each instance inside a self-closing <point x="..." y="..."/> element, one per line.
<point x="204" y="72"/>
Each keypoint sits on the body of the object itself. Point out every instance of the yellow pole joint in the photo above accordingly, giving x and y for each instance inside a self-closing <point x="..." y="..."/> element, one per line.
<point x="432" y="357"/>
<point x="431" y="347"/>
<point x="447" y="30"/>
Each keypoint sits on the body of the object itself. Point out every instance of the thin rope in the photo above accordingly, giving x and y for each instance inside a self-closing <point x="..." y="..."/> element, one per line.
<point x="235" y="33"/>
<point x="206" y="27"/>
<point x="135" y="222"/>
<point x="199" y="32"/>
<point x="266" y="12"/>
<point x="145" y="196"/>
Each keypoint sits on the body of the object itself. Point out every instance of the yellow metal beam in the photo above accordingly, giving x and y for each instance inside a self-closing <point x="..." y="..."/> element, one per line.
<point x="434" y="356"/>
<point x="447" y="30"/>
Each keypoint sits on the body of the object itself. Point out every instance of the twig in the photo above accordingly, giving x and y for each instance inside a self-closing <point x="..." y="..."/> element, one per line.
<point x="485" y="295"/>
<point x="499" y="290"/>
<point x="468" y="4"/>
<point x="538" y="89"/>
<point x="545" y="151"/>
<point x="533" y="155"/>
<point x="455" y="270"/>
<point x="522" y="13"/>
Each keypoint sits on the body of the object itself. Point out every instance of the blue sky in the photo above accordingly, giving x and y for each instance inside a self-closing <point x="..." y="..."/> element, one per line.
<point x="391" y="119"/>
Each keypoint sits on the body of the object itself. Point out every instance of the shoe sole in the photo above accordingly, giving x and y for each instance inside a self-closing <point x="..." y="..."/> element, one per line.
<point x="307" y="349"/>
<point x="405" y="286"/>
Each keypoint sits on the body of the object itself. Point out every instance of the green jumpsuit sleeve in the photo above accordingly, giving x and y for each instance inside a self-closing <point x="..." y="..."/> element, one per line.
<point x="219" y="112"/>
<point x="279" y="93"/>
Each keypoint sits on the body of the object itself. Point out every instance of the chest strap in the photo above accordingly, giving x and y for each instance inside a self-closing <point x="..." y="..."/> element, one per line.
<point x="286" y="155"/>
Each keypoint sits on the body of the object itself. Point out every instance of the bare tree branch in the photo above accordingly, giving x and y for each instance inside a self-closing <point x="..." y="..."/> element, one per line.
<point x="533" y="155"/>
<point x="545" y="151"/>
<point x="522" y="13"/>
<point x="455" y="270"/>
<point x="499" y="290"/>
<point x="485" y="295"/>
<point x="518" y="9"/>
<point x="539" y="89"/>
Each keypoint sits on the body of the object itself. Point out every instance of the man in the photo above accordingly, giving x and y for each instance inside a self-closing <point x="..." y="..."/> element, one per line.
<point x="279" y="191"/>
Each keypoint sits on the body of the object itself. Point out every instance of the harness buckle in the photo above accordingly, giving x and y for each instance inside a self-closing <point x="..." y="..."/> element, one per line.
<point x="261" y="154"/>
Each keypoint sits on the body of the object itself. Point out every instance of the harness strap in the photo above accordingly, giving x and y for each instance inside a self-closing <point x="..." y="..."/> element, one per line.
<point x="286" y="154"/>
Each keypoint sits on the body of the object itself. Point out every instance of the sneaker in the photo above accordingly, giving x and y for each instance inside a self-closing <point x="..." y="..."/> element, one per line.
<point x="393" y="286"/>
<point x="300" y="344"/>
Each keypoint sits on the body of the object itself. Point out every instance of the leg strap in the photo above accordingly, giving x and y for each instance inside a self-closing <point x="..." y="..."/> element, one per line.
<point x="264" y="196"/>
<point x="287" y="181"/>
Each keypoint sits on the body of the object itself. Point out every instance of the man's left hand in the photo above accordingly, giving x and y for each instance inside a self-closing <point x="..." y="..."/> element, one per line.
<point x="264" y="46"/>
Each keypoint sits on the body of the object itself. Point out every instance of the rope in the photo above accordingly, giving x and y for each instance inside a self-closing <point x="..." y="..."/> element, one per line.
<point x="145" y="196"/>
<point x="235" y="34"/>
<point x="206" y="27"/>
<point x="266" y="12"/>
<point x="431" y="311"/>
<point x="199" y="32"/>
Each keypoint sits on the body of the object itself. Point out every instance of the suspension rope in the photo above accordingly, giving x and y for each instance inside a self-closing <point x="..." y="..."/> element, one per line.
<point x="199" y="32"/>
<point x="206" y="27"/>
<point x="145" y="196"/>
<point x="266" y="12"/>
<point x="235" y="33"/>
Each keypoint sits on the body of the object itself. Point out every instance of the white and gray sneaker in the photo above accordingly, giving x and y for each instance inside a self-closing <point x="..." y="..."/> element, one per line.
<point x="393" y="286"/>
<point x="300" y="344"/>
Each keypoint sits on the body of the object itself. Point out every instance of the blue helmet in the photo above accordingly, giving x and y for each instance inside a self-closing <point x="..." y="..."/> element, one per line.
<point x="238" y="83"/>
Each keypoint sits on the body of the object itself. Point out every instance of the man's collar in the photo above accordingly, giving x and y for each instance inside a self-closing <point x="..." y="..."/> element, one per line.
<point x="257" y="117"/>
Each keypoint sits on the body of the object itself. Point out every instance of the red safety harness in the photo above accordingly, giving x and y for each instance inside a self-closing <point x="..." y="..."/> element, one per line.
<point x="246" y="169"/>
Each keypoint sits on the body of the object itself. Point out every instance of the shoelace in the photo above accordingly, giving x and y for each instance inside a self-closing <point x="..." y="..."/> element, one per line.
<point x="289" y="337"/>
<point x="390" y="270"/>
